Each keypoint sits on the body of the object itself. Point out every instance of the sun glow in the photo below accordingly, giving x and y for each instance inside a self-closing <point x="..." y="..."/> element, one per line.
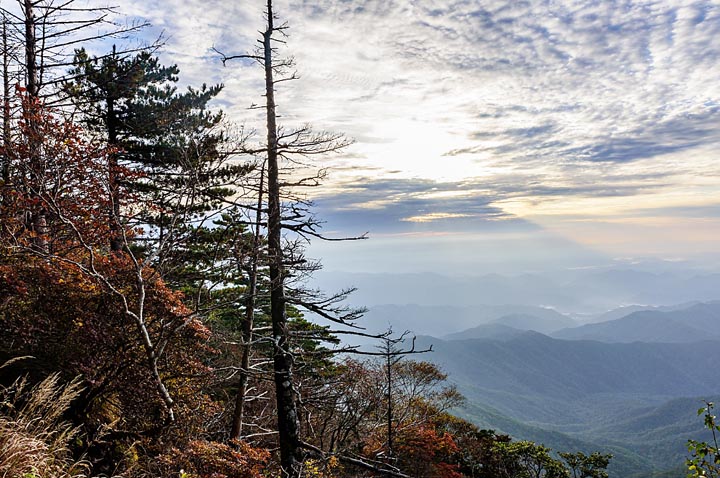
<point x="435" y="216"/>
<point x="419" y="151"/>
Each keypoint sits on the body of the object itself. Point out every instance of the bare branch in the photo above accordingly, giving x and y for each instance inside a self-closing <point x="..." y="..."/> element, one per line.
<point x="361" y="463"/>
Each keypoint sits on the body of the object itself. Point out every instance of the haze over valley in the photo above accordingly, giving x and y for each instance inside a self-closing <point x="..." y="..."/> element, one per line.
<point x="615" y="359"/>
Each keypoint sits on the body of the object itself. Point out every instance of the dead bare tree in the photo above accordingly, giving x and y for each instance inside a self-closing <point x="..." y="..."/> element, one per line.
<point x="249" y="322"/>
<point x="50" y="31"/>
<point x="280" y="145"/>
<point x="9" y="77"/>
<point x="289" y="212"/>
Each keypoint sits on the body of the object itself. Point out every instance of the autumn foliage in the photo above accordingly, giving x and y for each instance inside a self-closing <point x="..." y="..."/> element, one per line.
<point x="58" y="171"/>
<point x="215" y="460"/>
<point x="425" y="451"/>
<point x="67" y="304"/>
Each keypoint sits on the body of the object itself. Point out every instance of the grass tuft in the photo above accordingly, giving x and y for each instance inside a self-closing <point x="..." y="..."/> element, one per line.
<point x="34" y="438"/>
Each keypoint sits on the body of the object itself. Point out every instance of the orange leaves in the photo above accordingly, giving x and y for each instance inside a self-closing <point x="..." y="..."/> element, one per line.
<point x="59" y="171"/>
<point x="436" y="448"/>
<point x="426" y="440"/>
<point x="10" y="284"/>
<point x="424" y="451"/>
<point x="70" y="322"/>
<point x="205" y="459"/>
<point x="422" y="443"/>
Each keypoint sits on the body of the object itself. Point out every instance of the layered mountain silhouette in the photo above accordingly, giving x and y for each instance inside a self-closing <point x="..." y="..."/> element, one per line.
<point x="697" y="322"/>
<point x="627" y="383"/>
<point x="443" y="320"/>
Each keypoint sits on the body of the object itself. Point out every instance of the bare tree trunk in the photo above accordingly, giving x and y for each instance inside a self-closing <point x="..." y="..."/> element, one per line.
<point x="389" y="405"/>
<point x="153" y="350"/>
<point x="37" y="219"/>
<point x="116" y="242"/>
<point x="6" y="105"/>
<point x="31" y="67"/>
<point x="247" y="327"/>
<point x="305" y="143"/>
<point x="288" y="422"/>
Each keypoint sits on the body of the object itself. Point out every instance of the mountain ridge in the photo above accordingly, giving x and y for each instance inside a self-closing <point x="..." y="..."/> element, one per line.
<point x="700" y="320"/>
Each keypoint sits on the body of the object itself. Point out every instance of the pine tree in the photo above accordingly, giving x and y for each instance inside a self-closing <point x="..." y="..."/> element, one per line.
<point x="173" y="140"/>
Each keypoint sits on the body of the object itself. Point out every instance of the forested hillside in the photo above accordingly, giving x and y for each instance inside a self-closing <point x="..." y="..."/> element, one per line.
<point x="636" y="401"/>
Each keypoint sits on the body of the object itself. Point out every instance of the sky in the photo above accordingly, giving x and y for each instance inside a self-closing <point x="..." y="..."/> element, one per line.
<point x="488" y="135"/>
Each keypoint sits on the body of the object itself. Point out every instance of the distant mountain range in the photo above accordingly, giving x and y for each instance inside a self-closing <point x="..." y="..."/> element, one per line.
<point x="621" y="312"/>
<point x="624" y="380"/>
<point x="511" y="325"/>
<point x="581" y="291"/>
<point x="443" y="320"/>
<point x="684" y="323"/>
<point x="493" y="330"/>
<point x="510" y="374"/>
<point x="629" y="398"/>
<point x="696" y="322"/>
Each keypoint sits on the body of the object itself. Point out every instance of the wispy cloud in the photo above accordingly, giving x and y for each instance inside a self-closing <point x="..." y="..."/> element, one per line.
<point x="471" y="111"/>
<point x="393" y="205"/>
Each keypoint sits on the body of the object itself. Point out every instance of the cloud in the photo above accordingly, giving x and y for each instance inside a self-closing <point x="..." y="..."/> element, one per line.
<point x="587" y="71"/>
<point x="706" y="211"/>
<point x="468" y="113"/>
<point x="388" y="205"/>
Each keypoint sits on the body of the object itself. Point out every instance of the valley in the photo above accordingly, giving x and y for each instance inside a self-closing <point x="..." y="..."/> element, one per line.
<point x="627" y="381"/>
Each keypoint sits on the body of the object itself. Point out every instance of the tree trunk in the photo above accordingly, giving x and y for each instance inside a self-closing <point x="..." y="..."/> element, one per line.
<point x="31" y="67"/>
<point x="247" y="326"/>
<point x="37" y="219"/>
<point x="389" y="406"/>
<point x="116" y="239"/>
<point x="288" y="422"/>
<point x="6" y="106"/>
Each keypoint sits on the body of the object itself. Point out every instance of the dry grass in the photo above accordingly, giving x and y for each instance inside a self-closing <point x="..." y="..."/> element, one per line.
<point x="34" y="439"/>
